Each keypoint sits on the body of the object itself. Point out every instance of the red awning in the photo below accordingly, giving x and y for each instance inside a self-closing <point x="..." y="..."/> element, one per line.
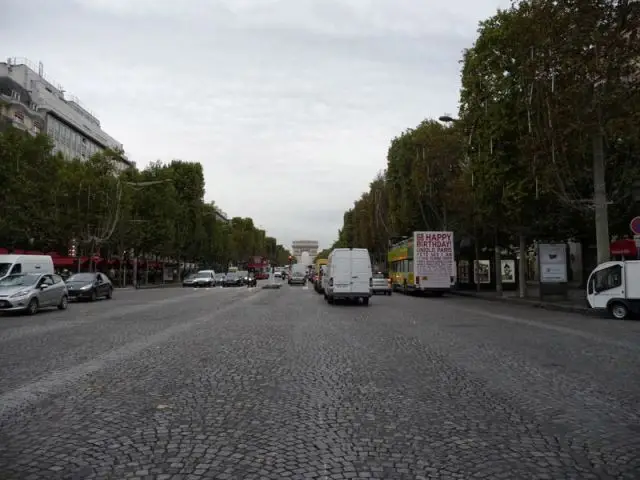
<point x="625" y="247"/>
<point x="64" y="261"/>
<point x="4" y="251"/>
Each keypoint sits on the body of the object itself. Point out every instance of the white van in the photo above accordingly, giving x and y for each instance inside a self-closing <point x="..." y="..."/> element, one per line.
<point x="348" y="275"/>
<point x="13" y="264"/>
<point x="614" y="287"/>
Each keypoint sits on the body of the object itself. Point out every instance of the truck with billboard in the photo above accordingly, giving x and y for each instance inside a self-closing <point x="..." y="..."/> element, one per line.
<point x="423" y="263"/>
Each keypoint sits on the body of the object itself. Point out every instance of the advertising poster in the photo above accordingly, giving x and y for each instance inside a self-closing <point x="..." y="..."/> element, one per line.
<point x="482" y="271"/>
<point x="433" y="257"/>
<point x="508" y="271"/>
<point x="552" y="258"/>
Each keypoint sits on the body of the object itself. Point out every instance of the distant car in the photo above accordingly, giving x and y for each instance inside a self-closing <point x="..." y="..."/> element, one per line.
<point x="89" y="286"/>
<point x="29" y="292"/>
<point x="244" y="275"/>
<point x="277" y="275"/>
<point x="204" y="278"/>
<point x="380" y="285"/>
<point x="298" y="278"/>
<point x="233" y="280"/>
<point x="189" y="280"/>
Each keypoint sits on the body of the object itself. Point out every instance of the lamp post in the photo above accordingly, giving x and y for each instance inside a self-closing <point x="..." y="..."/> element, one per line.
<point x="476" y="265"/>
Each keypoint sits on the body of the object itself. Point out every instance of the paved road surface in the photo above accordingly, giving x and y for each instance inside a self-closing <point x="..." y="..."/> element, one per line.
<point x="244" y="384"/>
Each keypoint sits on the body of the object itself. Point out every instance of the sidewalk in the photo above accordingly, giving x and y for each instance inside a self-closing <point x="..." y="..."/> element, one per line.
<point x="575" y="303"/>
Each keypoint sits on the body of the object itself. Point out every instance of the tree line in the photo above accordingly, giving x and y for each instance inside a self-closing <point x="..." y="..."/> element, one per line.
<point x="545" y="82"/>
<point x="48" y="203"/>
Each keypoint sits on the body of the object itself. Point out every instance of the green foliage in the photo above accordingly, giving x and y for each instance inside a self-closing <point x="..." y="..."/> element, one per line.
<point x="542" y="79"/>
<point x="46" y="201"/>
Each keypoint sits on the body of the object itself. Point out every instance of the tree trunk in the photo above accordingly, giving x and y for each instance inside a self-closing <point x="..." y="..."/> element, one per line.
<point x="498" y="264"/>
<point x="522" y="266"/>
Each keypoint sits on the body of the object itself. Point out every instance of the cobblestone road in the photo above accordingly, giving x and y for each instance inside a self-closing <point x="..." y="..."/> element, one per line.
<point x="255" y="384"/>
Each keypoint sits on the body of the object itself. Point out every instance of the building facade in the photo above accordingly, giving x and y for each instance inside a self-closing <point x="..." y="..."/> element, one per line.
<point x="30" y="102"/>
<point x="300" y="246"/>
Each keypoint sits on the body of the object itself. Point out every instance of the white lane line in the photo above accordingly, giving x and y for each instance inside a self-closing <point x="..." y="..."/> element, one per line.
<point x="36" y="391"/>
<point x="556" y="328"/>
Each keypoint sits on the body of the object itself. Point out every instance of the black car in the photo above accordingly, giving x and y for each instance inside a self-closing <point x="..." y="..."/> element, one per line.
<point x="89" y="286"/>
<point x="233" y="280"/>
<point x="251" y="281"/>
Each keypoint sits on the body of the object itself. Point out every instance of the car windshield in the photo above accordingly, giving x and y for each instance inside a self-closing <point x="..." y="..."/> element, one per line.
<point x="379" y="275"/>
<point x="220" y="275"/>
<point x="298" y="274"/>
<point x="24" y="279"/>
<point x="191" y="276"/>
<point x="81" y="277"/>
<point x="203" y="275"/>
<point x="232" y="276"/>
<point x="4" y="268"/>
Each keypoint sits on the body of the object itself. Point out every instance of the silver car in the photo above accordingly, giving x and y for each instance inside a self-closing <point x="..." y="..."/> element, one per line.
<point x="380" y="284"/>
<point x="29" y="292"/>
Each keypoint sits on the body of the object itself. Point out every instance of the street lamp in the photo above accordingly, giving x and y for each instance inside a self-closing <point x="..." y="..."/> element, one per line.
<point x="449" y="119"/>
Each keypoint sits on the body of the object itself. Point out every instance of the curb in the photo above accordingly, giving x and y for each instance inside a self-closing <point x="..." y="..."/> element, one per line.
<point x="530" y="303"/>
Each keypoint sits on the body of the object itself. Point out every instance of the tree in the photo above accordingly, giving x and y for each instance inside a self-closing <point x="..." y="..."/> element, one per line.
<point x="47" y="201"/>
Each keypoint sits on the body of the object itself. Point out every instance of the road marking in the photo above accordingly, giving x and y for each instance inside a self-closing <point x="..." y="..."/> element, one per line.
<point x="556" y="328"/>
<point x="36" y="391"/>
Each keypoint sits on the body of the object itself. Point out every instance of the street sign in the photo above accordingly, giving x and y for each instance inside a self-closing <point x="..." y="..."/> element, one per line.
<point x="635" y="225"/>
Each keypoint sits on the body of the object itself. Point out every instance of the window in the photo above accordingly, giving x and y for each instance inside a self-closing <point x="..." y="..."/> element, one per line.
<point x="57" y="279"/>
<point x="19" y="115"/>
<point x="606" y="279"/>
<point x="17" y="268"/>
<point x="46" y="280"/>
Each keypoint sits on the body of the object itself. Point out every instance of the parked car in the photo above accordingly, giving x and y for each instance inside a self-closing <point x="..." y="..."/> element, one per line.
<point x="189" y="280"/>
<point x="233" y="280"/>
<point x="89" y="286"/>
<point x="380" y="285"/>
<point x="218" y="279"/>
<point x="298" y="278"/>
<point x="205" y="278"/>
<point x="30" y="292"/>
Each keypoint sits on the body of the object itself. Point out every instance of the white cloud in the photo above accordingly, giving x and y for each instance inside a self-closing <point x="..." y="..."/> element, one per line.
<point x="289" y="104"/>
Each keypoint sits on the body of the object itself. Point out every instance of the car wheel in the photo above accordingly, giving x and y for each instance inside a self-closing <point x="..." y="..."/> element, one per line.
<point x="64" y="303"/>
<point x="33" y="306"/>
<point x="110" y="293"/>
<point x="94" y="296"/>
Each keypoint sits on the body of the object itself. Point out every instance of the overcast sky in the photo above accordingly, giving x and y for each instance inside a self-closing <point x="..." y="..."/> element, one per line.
<point x="290" y="105"/>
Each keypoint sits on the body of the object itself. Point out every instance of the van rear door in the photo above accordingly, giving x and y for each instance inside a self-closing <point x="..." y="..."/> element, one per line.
<point x="341" y="271"/>
<point x="360" y="271"/>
